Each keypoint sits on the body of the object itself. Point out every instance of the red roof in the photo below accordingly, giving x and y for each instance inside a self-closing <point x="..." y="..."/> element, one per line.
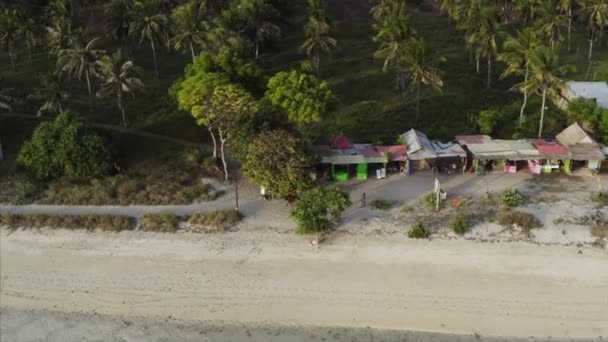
<point x="398" y="152"/>
<point x="549" y="147"/>
<point x="341" y="142"/>
<point x="470" y="139"/>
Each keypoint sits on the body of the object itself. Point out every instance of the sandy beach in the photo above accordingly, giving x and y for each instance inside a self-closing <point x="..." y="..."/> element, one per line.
<point x="269" y="277"/>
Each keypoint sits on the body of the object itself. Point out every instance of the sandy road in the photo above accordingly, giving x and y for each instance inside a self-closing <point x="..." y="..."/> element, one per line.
<point x="269" y="277"/>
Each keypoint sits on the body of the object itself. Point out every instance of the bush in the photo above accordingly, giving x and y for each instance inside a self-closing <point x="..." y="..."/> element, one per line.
<point x="88" y="222"/>
<point x="459" y="225"/>
<point x="599" y="230"/>
<point x="381" y="204"/>
<point x="511" y="198"/>
<point x="317" y="208"/>
<point x="600" y="198"/>
<point x="219" y="219"/>
<point x="525" y="221"/>
<point x="64" y="147"/>
<point x="165" y="223"/>
<point x="419" y="231"/>
<point x="429" y="200"/>
<point x="17" y="189"/>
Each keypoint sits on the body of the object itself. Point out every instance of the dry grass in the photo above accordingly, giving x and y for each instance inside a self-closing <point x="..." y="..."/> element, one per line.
<point x="88" y="222"/>
<point x="511" y="219"/>
<point x="165" y="223"/>
<point x="215" y="221"/>
<point x="600" y="231"/>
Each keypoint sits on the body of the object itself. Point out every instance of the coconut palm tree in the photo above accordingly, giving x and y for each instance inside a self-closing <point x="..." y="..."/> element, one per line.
<point x="545" y="77"/>
<point x="316" y="9"/>
<point x="528" y="9"/>
<point x="82" y="60"/>
<point x="565" y="6"/>
<point x="596" y="12"/>
<point x="485" y="39"/>
<point x="52" y="93"/>
<point x="59" y="35"/>
<point x="118" y="18"/>
<point x="28" y="32"/>
<point x="317" y="40"/>
<point x="421" y="69"/>
<point x="149" y="24"/>
<point x="382" y="9"/>
<point x="470" y="22"/>
<point x="120" y="79"/>
<point x="189" y="28"/>
<point x="258" y="14"/>
<point x="394" y="32"/>
<point x="9" y="33"/>
<point x="551" y="21"/>
<point x="517" y="53"/>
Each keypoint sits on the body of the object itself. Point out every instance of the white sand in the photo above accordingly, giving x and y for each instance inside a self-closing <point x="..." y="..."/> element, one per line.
<point x="268" y="277"/>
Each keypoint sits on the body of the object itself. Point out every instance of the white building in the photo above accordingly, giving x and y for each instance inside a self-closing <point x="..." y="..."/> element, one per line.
<point x="597" y="91"/>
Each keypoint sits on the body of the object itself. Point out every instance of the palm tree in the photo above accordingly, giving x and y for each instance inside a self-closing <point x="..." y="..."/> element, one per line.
<point x="53" y="94"/>
<point x="118" y="17"/>
<point x="317" y="40"/>
<point x="565" y="6"/>
<point x="83" y="60"/>
<point x="551" y="21"/>
<point x="545" y="73"/>
<point x="528" y="9"/>
<point x="258" y="14"/>
<point x="190" y="28"/>
<point x="316" y="9"/>
<point x="28" y="32"/>
<point x="119" y="76"/>
<point x="421" y="69"/>
<point x="148" y="24"/>
<point x="9" y="32"/>
<point x="484" y="39"/>
<point x="597" y="13"/>
<point x="394" y="32"/>
<point x="60" y="35"/>
<point x="470" y="22"/>
<point x="382" y="9"/>
<point x="517" y="53"/>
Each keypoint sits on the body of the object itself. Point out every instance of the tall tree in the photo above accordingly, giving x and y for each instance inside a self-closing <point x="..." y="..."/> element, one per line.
<point x="60" y="35"/>
<point x="528" y="9"/>
<point x="517" y="53"/>
<point x="545" y="77"/>
<point x="226" y="106"/>
<point x="566" y="7"/>
<point x="421" y="69"/>
<point x="83" y="60"/>
<point x="393" y="34"/>
<point x="9" y="32"/>
<point x="551" y="21"/>
<point x="596" y="12"/>
<point x="258" y="15"/>
<point x="52" y="93"/>
<point x="149" y="24"/>
<point x="28" y="33"/>
<point x="189" y="28"/>
<point x="485" y="39"/>
<point x="316" y="9"/>
<point x="119" y="75"/>
<point x="317" y="40"/>
<point x="382" y="9"/>
<point x="118" y="18"/>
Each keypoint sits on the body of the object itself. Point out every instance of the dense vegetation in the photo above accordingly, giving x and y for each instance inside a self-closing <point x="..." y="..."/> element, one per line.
<point x="221" y="73"/>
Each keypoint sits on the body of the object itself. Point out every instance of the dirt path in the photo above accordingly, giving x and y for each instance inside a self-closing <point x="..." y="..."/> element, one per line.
<point x="265" y="276"/>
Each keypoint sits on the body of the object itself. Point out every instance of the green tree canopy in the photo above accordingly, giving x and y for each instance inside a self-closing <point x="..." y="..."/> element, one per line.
<point x="277" y="161"/>
<point x="303" y="97"/>
<point x="64" y="147"/>
<point x="318" y="208"/>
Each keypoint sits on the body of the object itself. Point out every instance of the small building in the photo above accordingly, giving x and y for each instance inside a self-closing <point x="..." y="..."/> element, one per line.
<point x="487" y="154"/>
<point x="553" y="156"/>
<point x="346" y="160"/>
<point x="584" y="151"/>
<point x="597" y="91"/>
<point x="426" y="154"/>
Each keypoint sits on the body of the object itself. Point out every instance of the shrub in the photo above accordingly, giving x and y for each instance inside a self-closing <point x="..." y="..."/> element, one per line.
<point x="317" y="208"/>
<point x="219" y="219"/>
<point x="165" y="223"/>
<point x="459" y="225"/>
<point x="406" y="209"/>
<point x="525" y="221"/>
<point x="600" y="198"/>
<point x="381" y="204"/>
<point x="429" y="200"/>
<point x="511" y="198"/>
<point x="599" y="230"/>
<point x="17" y="189"/>
<point x="89" y="222"/>
<point x="64" y="147"/>
<point x="419" y="231"/>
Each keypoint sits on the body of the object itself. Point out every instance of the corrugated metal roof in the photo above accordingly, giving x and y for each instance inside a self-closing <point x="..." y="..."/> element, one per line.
<point x="448" y="149"/>
<point x="418" y="145"/>
<point x="550" y="148"/>
<point x="484" y="147"/>
<point x="590" y="90"/>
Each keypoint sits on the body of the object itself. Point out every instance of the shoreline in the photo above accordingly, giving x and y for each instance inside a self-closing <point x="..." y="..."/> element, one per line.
<point x="261" y="275"/>
<point x="50" y="326"/>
